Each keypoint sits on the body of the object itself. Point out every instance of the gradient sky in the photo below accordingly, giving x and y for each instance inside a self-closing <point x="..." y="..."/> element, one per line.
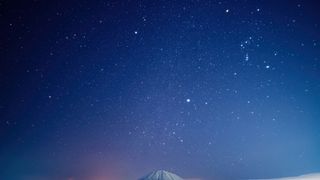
<point x="112" y="90"/>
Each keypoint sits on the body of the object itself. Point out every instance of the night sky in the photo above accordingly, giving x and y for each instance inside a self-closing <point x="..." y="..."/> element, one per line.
<point x="111" y="90"/>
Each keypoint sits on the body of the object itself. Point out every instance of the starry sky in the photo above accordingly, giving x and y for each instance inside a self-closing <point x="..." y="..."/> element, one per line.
<point x="111" y="90"/>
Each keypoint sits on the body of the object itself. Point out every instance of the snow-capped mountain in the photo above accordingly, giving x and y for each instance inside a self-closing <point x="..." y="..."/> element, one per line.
<point x="161" y="175"/>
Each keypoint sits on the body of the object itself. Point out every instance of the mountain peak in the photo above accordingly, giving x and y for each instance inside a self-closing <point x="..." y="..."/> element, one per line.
<point x="161" y="175"/>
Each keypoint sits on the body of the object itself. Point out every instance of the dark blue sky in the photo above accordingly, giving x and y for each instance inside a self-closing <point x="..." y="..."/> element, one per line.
<point x="114" y="89"/>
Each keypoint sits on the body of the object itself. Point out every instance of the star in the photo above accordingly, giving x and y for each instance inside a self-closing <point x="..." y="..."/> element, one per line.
<point x="247" y="57"/>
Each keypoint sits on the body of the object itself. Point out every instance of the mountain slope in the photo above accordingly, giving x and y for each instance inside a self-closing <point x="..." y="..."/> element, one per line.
<point x="161" y="175"/>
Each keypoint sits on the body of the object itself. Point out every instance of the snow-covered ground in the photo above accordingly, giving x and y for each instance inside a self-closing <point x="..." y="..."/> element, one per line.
<point x="165" y="175"/>
<point x="315" y="176"/>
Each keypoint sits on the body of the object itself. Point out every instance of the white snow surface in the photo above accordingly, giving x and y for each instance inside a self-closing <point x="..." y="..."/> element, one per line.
<point x="161" y="175"/>
<point x="315" y="176"/>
